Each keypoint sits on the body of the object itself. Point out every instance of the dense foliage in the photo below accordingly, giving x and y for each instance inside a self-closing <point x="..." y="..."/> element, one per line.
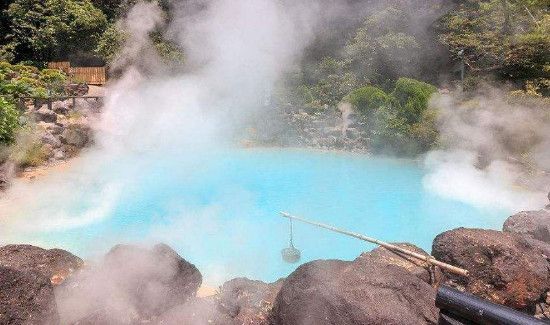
<point x="18" y="81"/>
<point x="383" y="57"/>
<point x="22" y="80"/>
<point x="8" y="121"/>
<point x="502" y="38"/>
<point x="399" y="122"/>
<point x="51" y="29"/>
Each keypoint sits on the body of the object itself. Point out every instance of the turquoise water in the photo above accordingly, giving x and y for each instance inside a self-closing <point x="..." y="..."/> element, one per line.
<point x="220" y="210"/>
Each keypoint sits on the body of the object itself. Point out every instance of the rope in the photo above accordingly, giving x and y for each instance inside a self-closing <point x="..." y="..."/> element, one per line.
<point x="291" y="242"/>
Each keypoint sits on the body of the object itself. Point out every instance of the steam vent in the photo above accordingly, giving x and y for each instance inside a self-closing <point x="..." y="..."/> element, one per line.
<point x="274" y="162"/>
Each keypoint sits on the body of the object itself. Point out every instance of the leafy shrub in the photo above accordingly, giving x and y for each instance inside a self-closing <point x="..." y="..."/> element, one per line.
<point x="367" y="99"/>
<point x="9" y="121"/>
<point x="401" y="122"/>
<point x="411" y="98"/>
<point x="20" y="80"/>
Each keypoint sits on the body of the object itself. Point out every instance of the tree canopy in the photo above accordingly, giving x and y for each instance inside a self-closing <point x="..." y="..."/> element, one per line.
<point x="508" y="39"/>
<point x="51" y="29"/>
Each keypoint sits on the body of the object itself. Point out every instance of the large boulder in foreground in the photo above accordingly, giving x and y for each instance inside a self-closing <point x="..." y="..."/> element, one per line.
<point x="248" y="301"/>
<point x="505" y="268"/>
<point x="130" y="284"/>
<point x="365" y="291"/>
<point x="54" y="264"/>
<point x="535" y="224"/>
<point x="26" y="297"/>
<point x="417" y="267"/>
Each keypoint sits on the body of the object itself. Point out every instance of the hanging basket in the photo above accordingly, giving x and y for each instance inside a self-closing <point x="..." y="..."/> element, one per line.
<point x="290" y="254"/>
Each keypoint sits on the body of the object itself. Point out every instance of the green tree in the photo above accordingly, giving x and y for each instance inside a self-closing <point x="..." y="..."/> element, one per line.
<point x="506" y="38"/>
<point x="382" y="49"/>
<point x="52" y="29"/>
<point x="110" y="42"/>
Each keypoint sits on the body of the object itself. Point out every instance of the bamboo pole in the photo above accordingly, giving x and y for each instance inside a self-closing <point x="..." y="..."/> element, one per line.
<point x="425" y="258"/>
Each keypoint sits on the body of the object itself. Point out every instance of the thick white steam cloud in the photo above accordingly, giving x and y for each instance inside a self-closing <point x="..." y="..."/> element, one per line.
<point x="234" y="50"/>
<point x="495" y="151"/>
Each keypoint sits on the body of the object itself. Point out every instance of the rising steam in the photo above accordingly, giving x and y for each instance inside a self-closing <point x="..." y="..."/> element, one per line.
<point x="495" y="151"/>
<point x="235" y="52"/>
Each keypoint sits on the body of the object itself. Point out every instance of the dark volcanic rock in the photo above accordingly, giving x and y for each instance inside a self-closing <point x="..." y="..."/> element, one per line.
<point x="160" y="271"/>
<point x="364" y="291"/>
<point x="535" y="224"/>
<point x="54" y="264"/>
<point x="45" y="114"/>
<point x="26" y="297"/>
<point x="77" y="134"/>
<point x="196" y="311"/>
<point x="505" y="268"/>
<point x="131" y="283"/>
<point x="248" y="301"/>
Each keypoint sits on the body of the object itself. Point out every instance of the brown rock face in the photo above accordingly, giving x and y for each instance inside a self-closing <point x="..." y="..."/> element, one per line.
<point x="365" y="291"/>
<point x="162" y="271"/>
<point x="130" y="284"/>
<point x="248" y="301"/>
<point x="504" y="268"/>
<point x="54" y="264"/>
<point x="535" y="224"/>
<point x="413" y="265"/>
<point x="46" y="115"/>
<point x="26" y="297"/>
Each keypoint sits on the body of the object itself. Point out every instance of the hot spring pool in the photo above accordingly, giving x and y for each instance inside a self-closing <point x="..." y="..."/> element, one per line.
<point x="220" y="210"/>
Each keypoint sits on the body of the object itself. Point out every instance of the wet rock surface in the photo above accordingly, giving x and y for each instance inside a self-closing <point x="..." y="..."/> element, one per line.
<point x="365" y="291"/>
<point x="26" y="297"/>
<point x="54" y="264"/>
<point x="131" y="284"/>
<point x="504" y="267"/>
<point x="535" y="224"/>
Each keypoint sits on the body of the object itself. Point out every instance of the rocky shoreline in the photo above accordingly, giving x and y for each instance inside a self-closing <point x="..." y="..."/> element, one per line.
<point x="136" y="285"/>
<point x="53" y="134"/>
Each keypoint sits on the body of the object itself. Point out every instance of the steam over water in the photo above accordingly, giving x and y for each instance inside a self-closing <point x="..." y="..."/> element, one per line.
<point x="163" y="167"/>
<point x="219" y="209"/>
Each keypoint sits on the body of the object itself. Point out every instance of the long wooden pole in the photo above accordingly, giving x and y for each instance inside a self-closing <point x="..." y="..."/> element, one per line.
<point x="425" y="258"/>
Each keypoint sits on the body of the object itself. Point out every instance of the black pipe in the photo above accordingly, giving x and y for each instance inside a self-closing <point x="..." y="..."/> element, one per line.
<point x="478" y="311"/>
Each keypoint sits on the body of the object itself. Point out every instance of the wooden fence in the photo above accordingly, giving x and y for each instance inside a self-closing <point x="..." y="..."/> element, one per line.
<point x="89" y="75"/>
<point x="63" y="66"/>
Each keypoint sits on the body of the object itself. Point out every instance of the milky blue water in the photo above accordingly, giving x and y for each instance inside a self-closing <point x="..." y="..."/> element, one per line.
<point x="220" y="210"/>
